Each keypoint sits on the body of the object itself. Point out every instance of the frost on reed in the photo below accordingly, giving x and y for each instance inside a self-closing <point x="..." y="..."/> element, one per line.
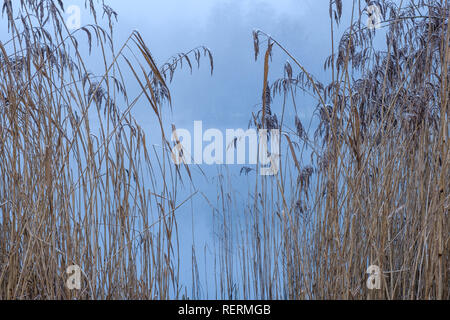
<point x="376" y="191"/>
<point x="78" y="185"/>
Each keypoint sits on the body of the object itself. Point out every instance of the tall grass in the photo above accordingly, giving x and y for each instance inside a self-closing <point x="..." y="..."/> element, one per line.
<point x="79" y="183"/>
<point x="376" y="191"/>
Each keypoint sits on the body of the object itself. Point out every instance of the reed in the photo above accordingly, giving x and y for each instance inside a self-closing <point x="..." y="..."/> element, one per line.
<point x="376" y="191"/>
<point x="80" y="184"/>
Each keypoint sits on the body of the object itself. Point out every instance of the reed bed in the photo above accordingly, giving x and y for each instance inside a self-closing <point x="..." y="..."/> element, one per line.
<point x="80" y="184"/>
<point x="376" y="189"/>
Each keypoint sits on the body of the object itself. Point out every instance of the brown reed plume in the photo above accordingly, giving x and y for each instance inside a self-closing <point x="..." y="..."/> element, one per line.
<point x="377" y="189"/>
<point x="79" y="185"/>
